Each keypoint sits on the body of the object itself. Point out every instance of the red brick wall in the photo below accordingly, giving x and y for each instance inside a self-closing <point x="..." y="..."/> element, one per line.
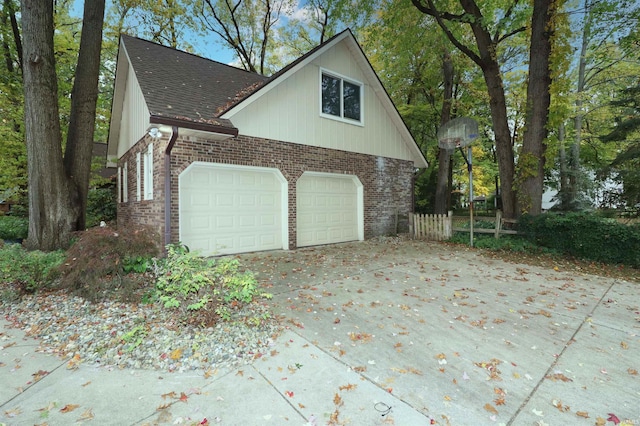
<point x="387" y="182"/>
<point x="144" y="212"/>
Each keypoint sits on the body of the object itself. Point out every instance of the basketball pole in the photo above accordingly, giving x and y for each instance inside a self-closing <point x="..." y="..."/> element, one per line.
<point x="469" y="161"/>
<point x="470" y="167"/>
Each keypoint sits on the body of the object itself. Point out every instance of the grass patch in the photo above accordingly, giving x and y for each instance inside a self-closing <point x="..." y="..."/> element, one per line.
<point x="23" y="271"/>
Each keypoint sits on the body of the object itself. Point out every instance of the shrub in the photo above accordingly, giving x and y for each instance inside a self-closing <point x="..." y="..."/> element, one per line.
<point x="100" y="259"/>
<point x="25" y="271"/>
<point x="101" y="206"/>
<point x="203" y="290"/>
<point x="585" y="236"/>
<point x="513" y="243"/>
<point x="13" y="228"/>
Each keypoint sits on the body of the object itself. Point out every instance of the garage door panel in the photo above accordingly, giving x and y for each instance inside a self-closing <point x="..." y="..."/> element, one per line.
<point x="225" y="210"/>
<point x="327" y="209"/>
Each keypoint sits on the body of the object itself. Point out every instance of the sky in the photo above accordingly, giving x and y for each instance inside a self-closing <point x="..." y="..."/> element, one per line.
<point x="202" y="46"/>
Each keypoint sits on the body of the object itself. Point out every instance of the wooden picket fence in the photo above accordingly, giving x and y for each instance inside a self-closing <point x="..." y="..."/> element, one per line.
<point x="436" y="227"/>
<point x="440" y="227"/>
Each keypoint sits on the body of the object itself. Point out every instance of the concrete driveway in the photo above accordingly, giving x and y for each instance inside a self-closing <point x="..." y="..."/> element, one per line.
<point x="444" y="335"/>
<point x="380" y="332"/>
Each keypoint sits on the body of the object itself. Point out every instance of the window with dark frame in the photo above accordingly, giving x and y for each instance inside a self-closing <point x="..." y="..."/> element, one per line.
<point x="341" y="98"/>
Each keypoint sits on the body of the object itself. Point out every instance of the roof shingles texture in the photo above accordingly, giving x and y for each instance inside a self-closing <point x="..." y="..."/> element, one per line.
<point x="183" y="86"/>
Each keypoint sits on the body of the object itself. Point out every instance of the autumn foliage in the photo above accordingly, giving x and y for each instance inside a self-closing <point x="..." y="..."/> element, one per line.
<point x="96" y="264"/>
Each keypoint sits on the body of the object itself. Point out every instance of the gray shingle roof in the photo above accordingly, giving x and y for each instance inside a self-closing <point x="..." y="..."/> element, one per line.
<point x="186" y="87"/>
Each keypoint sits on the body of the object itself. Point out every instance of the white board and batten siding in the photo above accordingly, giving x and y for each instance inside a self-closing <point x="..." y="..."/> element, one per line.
<point x="226" y="209"/>
<point x="329" y="209"/>
<point x="131" y="117"/>
<point x="296" y="99"/>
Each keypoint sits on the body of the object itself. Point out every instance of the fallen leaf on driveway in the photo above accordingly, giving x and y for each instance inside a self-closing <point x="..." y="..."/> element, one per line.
<point x="582" y="414"/>
<point x="490" y="408"/>
<point x="39" y="375"/>
<point x="613" y="418"/>
<point x="559" y="406"/>
<point x="558" y="377"/>
<point x="12" y="413"/>
<point x="69" y="408"/>
<point x="74" y="362"/>
<point x="183" y="397"/>
<point x="87" y="415"/>
<point x="632" y="371"/>
<point x="348" y="387"/>
<point x="337" y="400"/>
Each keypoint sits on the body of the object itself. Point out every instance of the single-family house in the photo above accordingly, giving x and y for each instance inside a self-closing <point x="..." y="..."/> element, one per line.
<point x="228" y="161"/>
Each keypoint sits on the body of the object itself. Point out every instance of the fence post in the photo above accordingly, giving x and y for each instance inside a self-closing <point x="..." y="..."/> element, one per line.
<point x="498" y="223"/>
<point x="411" y="227"/>
<point x="449" y="224"/>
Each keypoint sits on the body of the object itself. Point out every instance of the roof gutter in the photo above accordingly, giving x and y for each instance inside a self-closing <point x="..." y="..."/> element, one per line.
<point x="194" y="125"/>
<point x="167" y="185"/>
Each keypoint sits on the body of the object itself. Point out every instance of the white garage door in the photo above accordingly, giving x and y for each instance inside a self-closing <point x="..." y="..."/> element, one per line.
<point x="329" y="209"/>
<point x="232" y="209"/>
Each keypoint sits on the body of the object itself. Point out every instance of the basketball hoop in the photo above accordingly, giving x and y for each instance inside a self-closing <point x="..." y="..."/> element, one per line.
<point x="458" y="133"/>
<point x="450" y="144"/>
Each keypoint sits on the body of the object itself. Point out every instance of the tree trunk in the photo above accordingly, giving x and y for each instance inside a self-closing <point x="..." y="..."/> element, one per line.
<point x="564" y="179"/>
<point x="443" y="188"/>
<point x="77" y="158"/>
<point x="574" y="151"/>
<point x="488" y="62"/>
<point x="52" y="202"/>
<point x="504" y="148"/>
<point x="56" y="186"/>
<point x="531" y="159"/>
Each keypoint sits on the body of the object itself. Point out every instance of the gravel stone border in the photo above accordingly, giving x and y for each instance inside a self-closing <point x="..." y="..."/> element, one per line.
<point x="139" y="336"/>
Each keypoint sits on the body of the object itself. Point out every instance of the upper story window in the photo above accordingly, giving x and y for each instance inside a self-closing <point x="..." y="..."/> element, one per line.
<point x="341" y="98"/>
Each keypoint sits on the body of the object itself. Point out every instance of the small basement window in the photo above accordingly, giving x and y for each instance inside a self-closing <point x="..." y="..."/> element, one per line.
<point x="341" y="98"/>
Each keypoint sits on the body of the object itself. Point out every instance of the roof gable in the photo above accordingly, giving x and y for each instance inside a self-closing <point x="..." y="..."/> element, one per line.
<point x="382" y="135"/>
<point x="183" y="86"/>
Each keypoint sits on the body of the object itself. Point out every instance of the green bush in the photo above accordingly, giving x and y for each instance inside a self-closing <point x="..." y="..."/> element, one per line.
<point x="13" y="228"/>
<point x="513" y="243"/>
<point x="585" y="236"/>
<point x="101" y="206"/>
<point x="28" y="271"/>
<point x="203" y="290"/>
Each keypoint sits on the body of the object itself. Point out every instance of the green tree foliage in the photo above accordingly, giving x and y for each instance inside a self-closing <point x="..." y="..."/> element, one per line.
<point x="604" y="62"/>
<point x="13" y="160"/>
<point x="626" y="137"/>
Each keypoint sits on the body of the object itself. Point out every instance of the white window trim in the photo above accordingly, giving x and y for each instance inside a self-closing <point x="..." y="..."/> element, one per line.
<point x="342" y="79"/>
<point x="119" y="184"/>
<point x="125" y="183"/>
<point x="138" y="176"/>
<point x="148" y="173"/>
